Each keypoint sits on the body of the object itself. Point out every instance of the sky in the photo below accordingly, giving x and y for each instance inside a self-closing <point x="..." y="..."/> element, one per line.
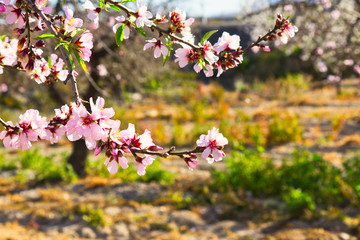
<point x="211" y="8"/>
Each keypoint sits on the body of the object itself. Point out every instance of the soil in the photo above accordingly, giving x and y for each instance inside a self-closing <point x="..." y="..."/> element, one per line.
<point x="138" y="210"/>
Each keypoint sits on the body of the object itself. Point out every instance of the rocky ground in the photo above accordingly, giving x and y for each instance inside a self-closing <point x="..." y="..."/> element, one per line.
<point x="101" y="208"/>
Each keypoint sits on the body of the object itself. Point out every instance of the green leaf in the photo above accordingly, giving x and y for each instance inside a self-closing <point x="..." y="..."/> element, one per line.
<point x="80" y="61"/>
<point x="66" y="46"/>
<point x="141" y="31"/>
<point x="207" y="36"/>
<point x="169" y="47"/>
<point x="101" y="3"/>
<point x="77" y="31"/>
<point x="62" y="42"/>
<point x="116" y="8"/>
<point x="49" y="62"/>
<point x="45" y="36"/>
<point x="2" y="38"/>
<point x="119" y="36"/>
<point x="126" y="1"/>
<point x="202" y="64"/>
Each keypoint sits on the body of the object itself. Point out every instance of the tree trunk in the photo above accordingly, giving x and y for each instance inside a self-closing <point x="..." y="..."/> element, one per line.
<point x="78" y="157"/>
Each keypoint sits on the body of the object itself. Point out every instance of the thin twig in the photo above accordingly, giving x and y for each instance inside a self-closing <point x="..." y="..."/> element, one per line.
<point x="167" y="153"/>
<point x="7" y="126"/>
<point x="62" y="49"/>
<point x="154" y="26"/>
<point x="260" y="39"/>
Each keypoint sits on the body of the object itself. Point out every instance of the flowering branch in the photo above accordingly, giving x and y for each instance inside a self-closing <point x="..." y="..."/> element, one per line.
<point x="154" y="26"/>
<point x="96" y="127"/>
<point x="169" y="152"/>
<point x="101" y="133"/>
<point x="286" y="30"/>
<point x="7" y="126"/>
<point x="63" y="51"/>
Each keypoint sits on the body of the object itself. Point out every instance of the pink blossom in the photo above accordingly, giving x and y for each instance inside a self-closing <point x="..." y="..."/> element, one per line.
<point x="122" y="20"/>
<point x="178" y="24"/>
<point x="3" y="88"/>
<point x="159" y="47"/>
<point x="92" y="126"/>
<point x="326" y="3"/>
<point x="191" y="161"/>
<point x="10" y="137"/>
<point x="32" y="127"/>
<point x="357" y="69"/>
<point x="41" y="71"/>
<point x="335" y="14"/>
<point x="208" y="71"/>
<point x="348" y="62"/>
<point x="54" y="134"/>
<point x="112" y="166"/>
<point x="85" y="44"/>
<point x="57" y="67"/>
<point x="102" y="71"/>
<point x="93" y="13"/>
<point x="331" y="45"/>
<point x="288" y="8"/>
<point x="141" y="169"/>
<point x="8" y="52"/>
<point x="227" y="41"/>
<point x="71" y="23"/>
<point x="213" y="143"/>
<point x="184" y="56"/>
<point x="41" y="4"/>
<point x="333" y="78"/>
<point x="288" y="32"/>
<point x="144" y="162"/>
<point x="142" y="16"/>
<point x="15" y="15"/>
<point x="322" y="66"/>
<point x="209" y="53"/>
<point x="319" y="51"/>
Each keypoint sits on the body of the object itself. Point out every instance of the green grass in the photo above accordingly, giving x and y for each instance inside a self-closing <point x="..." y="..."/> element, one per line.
<point x="92" y="216"/>
<point x="154" y="172"/>
<point x="304" y="181"/>
<point x="32" y="167"/>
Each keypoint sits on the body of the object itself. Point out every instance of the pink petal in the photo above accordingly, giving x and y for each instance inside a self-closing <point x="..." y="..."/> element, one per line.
<point x="11" y="18"/>
<point x="141" y="169"/>
<point x="157" y="52"/>
<point x="113" y="167"/>
<point x="206" y="152"/>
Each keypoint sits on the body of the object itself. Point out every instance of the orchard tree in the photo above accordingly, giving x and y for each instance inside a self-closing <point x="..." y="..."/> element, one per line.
<point x="328" y="39"/>
<point x="88" y="120"/>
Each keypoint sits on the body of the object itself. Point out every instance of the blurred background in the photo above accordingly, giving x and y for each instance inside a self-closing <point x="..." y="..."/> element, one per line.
<point x="291" y="116"/>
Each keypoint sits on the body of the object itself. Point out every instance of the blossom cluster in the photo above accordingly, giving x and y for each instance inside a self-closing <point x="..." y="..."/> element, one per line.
<point x="225" y="54"/>
<point x="22" y="54"/>
<point x="101" y="133"/>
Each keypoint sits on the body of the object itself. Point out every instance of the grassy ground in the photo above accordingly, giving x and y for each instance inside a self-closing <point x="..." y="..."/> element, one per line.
<point x="291" y="171"/>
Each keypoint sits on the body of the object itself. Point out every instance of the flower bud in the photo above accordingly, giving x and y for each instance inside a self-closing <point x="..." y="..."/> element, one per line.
<point x="40" y="43"/>
<point x="18" y="31"/>
<point x="21" y="43"/>
<point x="155" y="148"/>
<point x="97" y="150"/>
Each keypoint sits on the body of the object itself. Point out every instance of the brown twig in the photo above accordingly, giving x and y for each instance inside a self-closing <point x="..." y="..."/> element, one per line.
<point x="7" y="126"/>
<point x="155" y="26"/>
<point x="169" y="152"/>
<point x="260" y="39"/>
<point x="62" y="50"/>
